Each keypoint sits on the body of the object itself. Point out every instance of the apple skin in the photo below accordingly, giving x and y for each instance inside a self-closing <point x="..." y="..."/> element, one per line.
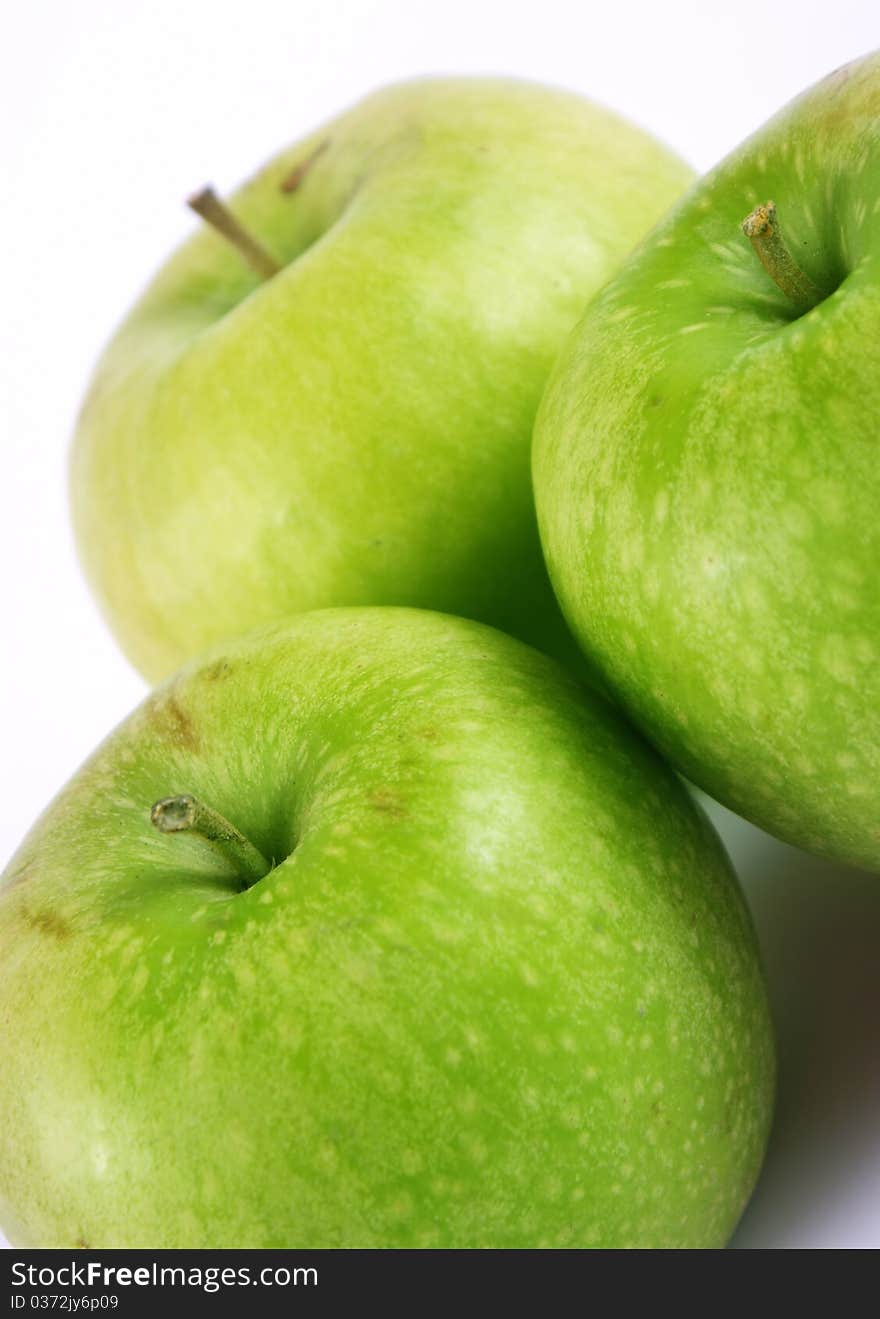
<point x="357" y="429"/>
<point x="707" y="482"/>
<point x="501" y="988"/>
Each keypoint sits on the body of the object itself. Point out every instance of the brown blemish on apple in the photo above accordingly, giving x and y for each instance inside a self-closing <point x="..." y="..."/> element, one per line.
<point x="294" y="179"/>
<point x="388" y="802"/>
<point x="217" y="671"/>
<point x="177" y="723"/>
<point x="81" y="1244"/>
<point x="47" y="922"/>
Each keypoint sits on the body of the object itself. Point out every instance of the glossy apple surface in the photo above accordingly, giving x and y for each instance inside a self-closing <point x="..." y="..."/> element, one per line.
<point x="707" y="481"/>
<point x="356" y="429"/>
<point x="499" y="989"/>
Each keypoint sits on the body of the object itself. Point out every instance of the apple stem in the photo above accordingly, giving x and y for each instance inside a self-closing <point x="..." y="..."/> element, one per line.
<point x="762" y="229"/>
<point x="186" y="814"/>
<point x="216" y="213"/>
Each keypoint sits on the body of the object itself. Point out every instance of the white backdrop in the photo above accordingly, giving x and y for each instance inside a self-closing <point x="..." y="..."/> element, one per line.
<point x="112" y="112"/>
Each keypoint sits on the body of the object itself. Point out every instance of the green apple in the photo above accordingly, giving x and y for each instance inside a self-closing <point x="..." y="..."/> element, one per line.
<point x="707" y="476"/>
<point x="355" y="428"/>
<point x="451" y="959"/>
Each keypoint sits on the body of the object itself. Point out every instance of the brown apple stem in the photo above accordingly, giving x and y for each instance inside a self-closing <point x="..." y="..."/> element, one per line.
<point x="761" y="227"/>
<point x="186" y="814"/>
<point x="216" y="213"/>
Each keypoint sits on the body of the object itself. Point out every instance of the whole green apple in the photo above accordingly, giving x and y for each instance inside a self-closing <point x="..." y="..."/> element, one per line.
<point x="707" y="477"/>
<point x="431" y="951"/>
<point x="355" y="427"/>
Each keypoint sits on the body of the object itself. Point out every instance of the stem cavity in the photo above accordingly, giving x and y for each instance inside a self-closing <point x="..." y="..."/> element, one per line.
<point x="217" y="214"/>
<point x="761" y="227"/>
<point x="186" y="814"/>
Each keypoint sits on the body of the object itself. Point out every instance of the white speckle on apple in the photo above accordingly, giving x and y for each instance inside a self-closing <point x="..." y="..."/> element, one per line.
<point x="477" y="1150"/>
<point x="858" y="788"/>
<point x="652" y="585"/>
<point x="753" y="709"/>
<point x="692" y="329"/>
<point x="411" y="1163"/>
<point x="753" y="660"/>
<point x="712" y="562"/>
<point x="730" y="251"/>
<point x="245" y="975"/>
<point x="678" y="283"/>
<point x="797" y="521"/>
<point x="836" y="657"/>
<point x="622" y="314"/>
<point x="632" y="553"/>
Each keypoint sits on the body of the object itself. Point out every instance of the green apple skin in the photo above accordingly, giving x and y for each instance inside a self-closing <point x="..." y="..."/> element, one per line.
<point x="501" y="988"/>
<point x="707" y="481"/>
<point x="357" y="429"/>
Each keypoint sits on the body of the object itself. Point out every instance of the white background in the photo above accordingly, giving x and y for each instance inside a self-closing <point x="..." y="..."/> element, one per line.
<point x="112" y="112"/>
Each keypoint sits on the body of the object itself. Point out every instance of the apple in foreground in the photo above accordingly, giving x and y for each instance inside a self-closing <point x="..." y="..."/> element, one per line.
<point x="349" y="422"/>
<point x="446" y="957"/>
<point x="707" y="477"/>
